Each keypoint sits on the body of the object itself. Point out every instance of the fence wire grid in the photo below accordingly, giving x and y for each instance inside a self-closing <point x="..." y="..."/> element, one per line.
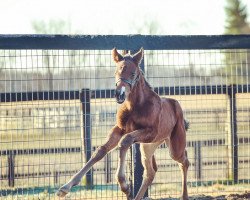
<point x="41" y="141"/>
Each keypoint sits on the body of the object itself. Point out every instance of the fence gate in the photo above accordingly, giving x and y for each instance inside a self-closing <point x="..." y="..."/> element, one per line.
<point x="57" y="106"/>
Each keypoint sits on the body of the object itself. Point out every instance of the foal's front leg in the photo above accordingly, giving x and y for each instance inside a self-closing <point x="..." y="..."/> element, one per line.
<point x="140" y="136"/>
<point x="112" y="141"/>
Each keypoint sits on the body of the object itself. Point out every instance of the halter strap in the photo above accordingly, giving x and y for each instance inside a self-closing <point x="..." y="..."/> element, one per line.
<point x="131" y="83"/>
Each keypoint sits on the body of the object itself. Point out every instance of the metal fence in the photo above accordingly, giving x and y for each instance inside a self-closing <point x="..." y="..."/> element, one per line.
<point x="57" y="106"/>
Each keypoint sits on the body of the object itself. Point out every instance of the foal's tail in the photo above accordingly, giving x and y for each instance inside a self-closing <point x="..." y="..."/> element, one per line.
<point x="186" y="124"/>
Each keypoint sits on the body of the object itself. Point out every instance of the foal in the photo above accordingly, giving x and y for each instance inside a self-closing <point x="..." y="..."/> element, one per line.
<point x="144" y="118"/>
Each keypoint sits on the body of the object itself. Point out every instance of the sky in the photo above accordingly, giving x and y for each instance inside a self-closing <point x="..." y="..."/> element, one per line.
<point x="171" y="17"/>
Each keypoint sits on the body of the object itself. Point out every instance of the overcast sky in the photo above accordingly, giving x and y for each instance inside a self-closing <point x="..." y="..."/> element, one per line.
<point x="179" y="17"/>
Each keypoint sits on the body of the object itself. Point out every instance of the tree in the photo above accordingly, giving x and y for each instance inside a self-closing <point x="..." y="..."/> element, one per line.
<point x="237" y="63"/>
<point x="148" y="27"/>
<point x="51" y="27"/>
<point x="236" y="22"/>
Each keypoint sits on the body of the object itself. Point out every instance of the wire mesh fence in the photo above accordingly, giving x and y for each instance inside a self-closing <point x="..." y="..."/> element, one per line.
<point x="42" y="125"/>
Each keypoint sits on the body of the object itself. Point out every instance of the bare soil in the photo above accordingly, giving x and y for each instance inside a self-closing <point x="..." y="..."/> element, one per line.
<point x="244" y="196"/>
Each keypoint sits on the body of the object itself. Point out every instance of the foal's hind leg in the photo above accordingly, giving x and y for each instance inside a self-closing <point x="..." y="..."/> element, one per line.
<point x="149" y="164"/>
<point x="177" y="144"/>
<point x="183" y="165"/>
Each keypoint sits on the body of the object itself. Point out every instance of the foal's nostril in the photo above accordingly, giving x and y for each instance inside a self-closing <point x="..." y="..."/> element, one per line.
<point x="120" y="95"/>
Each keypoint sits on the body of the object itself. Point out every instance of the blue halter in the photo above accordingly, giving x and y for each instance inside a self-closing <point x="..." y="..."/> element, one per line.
<point x="131" y="83"/>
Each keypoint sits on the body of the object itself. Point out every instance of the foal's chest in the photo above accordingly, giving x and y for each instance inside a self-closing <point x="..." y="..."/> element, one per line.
<point x="137" y="121"/>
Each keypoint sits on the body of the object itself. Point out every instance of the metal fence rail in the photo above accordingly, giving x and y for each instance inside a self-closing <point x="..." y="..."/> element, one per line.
<point x="57" y="106"/>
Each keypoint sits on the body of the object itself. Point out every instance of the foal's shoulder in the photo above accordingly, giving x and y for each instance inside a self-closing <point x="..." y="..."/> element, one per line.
<point x="122" y="116"/>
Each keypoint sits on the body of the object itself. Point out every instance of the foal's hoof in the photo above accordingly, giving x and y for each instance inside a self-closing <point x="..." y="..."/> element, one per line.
<point x="62" y="192"/>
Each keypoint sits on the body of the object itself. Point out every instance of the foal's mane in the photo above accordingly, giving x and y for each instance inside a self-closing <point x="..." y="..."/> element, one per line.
<point x="146" y="82"/>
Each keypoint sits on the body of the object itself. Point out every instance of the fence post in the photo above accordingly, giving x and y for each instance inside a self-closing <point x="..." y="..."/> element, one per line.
<point x="134" y="161"/>
<point x="108" y="168"/>
<point x="197" y="159"/>
<point x="86" y="131"/>
<point x="232" y="135"/>
<point x="138" y="168"/>
<point x="136" y="154"/>
<point x="56" y="176"/>
<point x="11" y="169"/>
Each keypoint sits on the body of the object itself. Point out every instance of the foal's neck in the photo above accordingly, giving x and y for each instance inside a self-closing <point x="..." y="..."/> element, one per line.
<point x="139" y="94"/>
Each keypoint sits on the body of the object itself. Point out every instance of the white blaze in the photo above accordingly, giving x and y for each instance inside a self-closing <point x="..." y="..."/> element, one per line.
<point x="122" y="90"/>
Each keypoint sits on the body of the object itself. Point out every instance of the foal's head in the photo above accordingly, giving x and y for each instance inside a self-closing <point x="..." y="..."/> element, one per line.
<point x="127" y="73"/>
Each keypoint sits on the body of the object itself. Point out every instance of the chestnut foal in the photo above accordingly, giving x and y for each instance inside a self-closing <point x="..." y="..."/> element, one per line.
<point x="144" y="118"/>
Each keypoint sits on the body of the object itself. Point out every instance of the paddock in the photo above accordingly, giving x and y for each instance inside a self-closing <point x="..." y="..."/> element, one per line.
<point x="57" y="106"/>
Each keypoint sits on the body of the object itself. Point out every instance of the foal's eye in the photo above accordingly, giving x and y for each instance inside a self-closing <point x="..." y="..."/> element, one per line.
<point x="133" y="74"/>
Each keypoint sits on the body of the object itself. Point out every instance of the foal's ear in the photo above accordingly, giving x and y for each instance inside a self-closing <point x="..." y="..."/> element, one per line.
<point x="137" y="57"/>
<point x="116" y="56"/>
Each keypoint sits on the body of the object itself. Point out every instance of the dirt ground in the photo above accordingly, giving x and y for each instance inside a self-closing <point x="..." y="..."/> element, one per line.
<point x="243" y="196"/>
<point x="223" y="197"/>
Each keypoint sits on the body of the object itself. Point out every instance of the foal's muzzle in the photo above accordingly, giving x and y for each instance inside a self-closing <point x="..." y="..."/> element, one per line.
<point x="120" y="95"/>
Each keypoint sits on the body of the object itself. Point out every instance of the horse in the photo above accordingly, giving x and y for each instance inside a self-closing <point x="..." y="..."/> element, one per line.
<point x="145" y="118"/>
